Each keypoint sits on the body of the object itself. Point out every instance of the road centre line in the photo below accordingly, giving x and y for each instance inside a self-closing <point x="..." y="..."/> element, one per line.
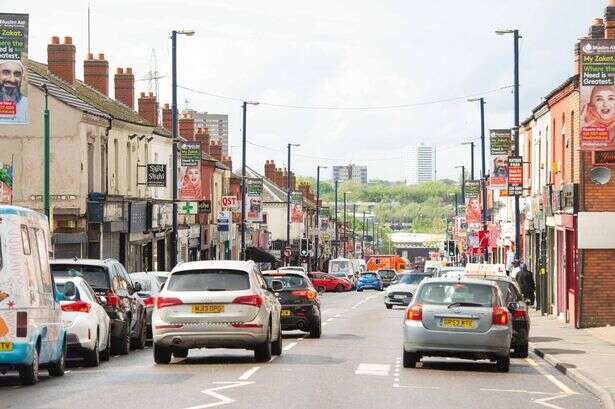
<point x="517" y="391"/>
<point x="396" y="385"/>
<point x="330" y="319"/>
<point x="289" y="346"/>
<point x="565" y="389"/>
<point x="247" y="374"/>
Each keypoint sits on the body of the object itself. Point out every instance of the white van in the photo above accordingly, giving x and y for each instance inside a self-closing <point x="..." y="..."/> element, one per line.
<point x="31" y="328"/>
<point x="345" y="268"/>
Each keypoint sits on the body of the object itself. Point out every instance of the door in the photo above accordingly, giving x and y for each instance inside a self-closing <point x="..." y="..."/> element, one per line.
<point x="571" y="270"/>
<point x="562" y="263"/>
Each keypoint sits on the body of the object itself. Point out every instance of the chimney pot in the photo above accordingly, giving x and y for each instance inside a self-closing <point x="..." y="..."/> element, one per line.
<point x="125" y="87"/>
<point x="61" y="59"/>
<point x="101" y="56"/>
<point x="68" y="40"/>
<point x="96" y="73"/>
<point x="167" y="106"/>
<point x="128" y="70"/>
<point x="151" y="94"/>
<point x="55" y="40"/>
<point x="119" y="70"/>
<point x="90" y="56"/>
<point x="143" y="95"/>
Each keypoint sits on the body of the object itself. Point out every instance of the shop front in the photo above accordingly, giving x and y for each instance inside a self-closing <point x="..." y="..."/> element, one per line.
<point x="108" y="228"/>
<point x="140" y="249"/>
<point x="161" y="227"/>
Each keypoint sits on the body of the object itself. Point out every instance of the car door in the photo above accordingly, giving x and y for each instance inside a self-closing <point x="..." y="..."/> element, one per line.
<point x="317" y="280"/>
<point x="135" y="302"/>
<point x="99" y="312"/>
<point x="273" y="305"/>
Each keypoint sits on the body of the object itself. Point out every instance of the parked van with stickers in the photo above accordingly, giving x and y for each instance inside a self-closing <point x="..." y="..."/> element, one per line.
<point x="31" y="330"/>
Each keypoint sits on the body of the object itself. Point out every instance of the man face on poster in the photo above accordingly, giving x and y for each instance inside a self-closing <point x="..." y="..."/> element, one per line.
<point x="500" y="166"/>
<point x="11" y="79"/>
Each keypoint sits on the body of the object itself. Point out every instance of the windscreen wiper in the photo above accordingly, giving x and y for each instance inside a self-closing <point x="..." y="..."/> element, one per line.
<point x="464" y="304"/>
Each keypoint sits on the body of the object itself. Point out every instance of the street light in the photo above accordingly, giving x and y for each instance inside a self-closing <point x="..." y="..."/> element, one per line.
<point x="345" y="230"/>
<point x="471" y="158"/>
<point x="456" y="203"/>
<point x="288" y="179"/>
<point x="463" y="182"/>
<point x="243" y="180"/>
<point x="516" y="37"/>
<point x="174" y="34"/>
<point x="317" y="212"/>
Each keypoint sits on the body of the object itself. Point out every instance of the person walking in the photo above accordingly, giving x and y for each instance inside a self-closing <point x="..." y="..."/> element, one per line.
<point x="525" y="279"/>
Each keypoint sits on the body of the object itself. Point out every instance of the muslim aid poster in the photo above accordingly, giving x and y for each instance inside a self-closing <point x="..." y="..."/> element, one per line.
<point x="13" y="54"/>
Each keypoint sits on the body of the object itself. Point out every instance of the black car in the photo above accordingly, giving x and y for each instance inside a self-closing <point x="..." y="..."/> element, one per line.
<point x="150" y="288"/>
<point x="117" y="294"/>
<point x="299" y="301"/>
<point x="388" y="275"/>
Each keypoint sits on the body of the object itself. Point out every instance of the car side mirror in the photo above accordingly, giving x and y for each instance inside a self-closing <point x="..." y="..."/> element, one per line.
<point x="70" y="291"/>
<point x="513" y="306"/>
<point x="276" y="285"/>
<point x="138" y="287"/>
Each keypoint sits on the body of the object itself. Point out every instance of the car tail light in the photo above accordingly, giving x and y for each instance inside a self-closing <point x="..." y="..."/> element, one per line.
<point x="77" y="306"/>
<point x="253" y="300"/>
<point x="309" y="294"/>
<point x="415" y="313"/>
<point x="149" y="301"/>
<point x="519" y="314"/>
<point x="112" y="299"/>
<point x="22" y="324"/>
<point x="242" y="325"/>
<point x="499" y="317"/>
<point x="162" y="302"/>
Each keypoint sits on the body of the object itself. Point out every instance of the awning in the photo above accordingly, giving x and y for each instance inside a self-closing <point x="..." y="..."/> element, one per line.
<point x="260" y="255"/>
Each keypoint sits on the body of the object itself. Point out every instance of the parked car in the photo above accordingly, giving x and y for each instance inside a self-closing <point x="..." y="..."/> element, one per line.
<point x="388" y="275"/>
<point x="326" y="282"/>
<point x="150" y="288"/>
<point x="118" y="295"/>
<point x="217" y="304"/>
<point x="371" y="280"/>
<point x="401" y="291"/>
<point x="463" y="318"/>
<point x="292" y="268"/>
<point x="161" y="276"/>
<point x="449" y="271"/>
<point x="32" y="333"/>
<point x="87" y="323"/>
<point x="300" y="306"/>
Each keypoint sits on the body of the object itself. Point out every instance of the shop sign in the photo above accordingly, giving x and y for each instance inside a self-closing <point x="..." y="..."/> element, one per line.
<point x="156" y="175"/>
<point x="229" y="202"/>
<point x="205" y="206"/>
<point x="604" y="157"/>
<point x="223" y="220"/>
<point x="187" y="207"/>
<point x="138" y="217"/>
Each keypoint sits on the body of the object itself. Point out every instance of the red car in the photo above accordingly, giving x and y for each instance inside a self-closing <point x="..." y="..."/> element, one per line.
<point x="326" y="282"/>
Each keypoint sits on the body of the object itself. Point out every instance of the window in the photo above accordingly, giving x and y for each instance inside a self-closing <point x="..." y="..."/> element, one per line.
<point x="209" y="280"/>
<point x="448" y="293"/>
<point x="289" y="281"/>
<point x="43" y="257"/>
<point x="95" y="276"/>
<point x="116" y="164"/>
<point x="0" y="254"/>
<point x="25" y="241"/>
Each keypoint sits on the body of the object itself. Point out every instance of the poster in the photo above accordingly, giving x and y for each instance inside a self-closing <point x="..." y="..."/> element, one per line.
<point x="515" y="176"/>
<point x="13" y="54"/>
<point x="500" y="142"/>
<point x="254" y="190"/>
<point x="472" y="189"/>
<point x="6" y="184"/>
<point x="597" y="85"/>
<point x="190" y="172"/>
<point x="296" y="207"/>
<point x="473" y="210"/>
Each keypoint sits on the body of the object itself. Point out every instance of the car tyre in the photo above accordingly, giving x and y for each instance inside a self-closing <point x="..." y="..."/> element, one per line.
<point x="339" y="288"/>
<point x="521" y="351"/>
<point x="322" y="289"/>
<point x="316" y="330"/>
<point x="262" y="352"/>
<point x="410" y="359"/>
<point x="180" y="352"/>
<point x="91" y="359"/>
<point x="28" y="374"/>
<point x="162" y="355"/>
<point x="502" y="364"/>
<point x="121" y="346"/>
<point x="105" y="355"/>
<point x="276" y="346"/>
<point x="359" y="289"/>
<point x="139" y="343"/>
<point x="58" y="367"/>
<point x="389" y="306"/>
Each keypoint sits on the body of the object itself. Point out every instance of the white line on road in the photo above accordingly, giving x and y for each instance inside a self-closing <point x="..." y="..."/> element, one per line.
<point x="395" y="385"/>
<point x="517" y="391"/>
<point x="337" y="315"/>
<point x="222" y="400"/>
<point x="373" y="369"/>
<point x="290" y="346"/>
<point x="544" y="401"/>
<point x="330" y="319"/>
<point x="247" y="374"/>
<point x="563" y="387"/>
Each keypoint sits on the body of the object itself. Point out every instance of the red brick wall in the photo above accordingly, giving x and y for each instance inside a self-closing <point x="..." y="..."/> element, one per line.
<point x="61" y="58"/>
<point x="598" y="288"/>
<point x="96" y="73"/>
<point x="125" y="86"/>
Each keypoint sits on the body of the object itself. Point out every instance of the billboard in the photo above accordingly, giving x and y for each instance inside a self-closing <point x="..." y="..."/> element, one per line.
<point x="254" y="190"/>
<point x="296" y="207"/>
<point x="515" y="176"/>
<point x="473" y="210"/>
<point x="597" y="83"/>
<point x="500" y="141"/>
<point x="472" y="189"/>
<point x="189" y="183"/>
<point x="13" y="72"/>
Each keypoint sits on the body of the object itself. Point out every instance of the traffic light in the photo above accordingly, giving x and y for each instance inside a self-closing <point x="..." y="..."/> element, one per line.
<point x="304" y="249"/>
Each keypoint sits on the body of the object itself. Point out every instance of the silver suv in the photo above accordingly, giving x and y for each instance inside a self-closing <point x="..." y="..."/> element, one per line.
<point x="217" y="304"/>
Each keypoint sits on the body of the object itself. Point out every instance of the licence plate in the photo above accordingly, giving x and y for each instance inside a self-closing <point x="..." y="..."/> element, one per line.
<point x="457" y="323"/>
<point x="6" y="346"/>
<point x="399" y="297"/>
<point x="207" y="308"/>
<point x="285" y="313"/>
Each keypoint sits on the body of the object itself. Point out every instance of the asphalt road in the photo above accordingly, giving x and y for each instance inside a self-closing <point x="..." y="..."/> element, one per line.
<point x="356" y="364"/>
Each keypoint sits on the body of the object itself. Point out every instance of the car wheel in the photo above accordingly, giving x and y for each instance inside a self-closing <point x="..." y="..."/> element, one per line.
<point x="316" y="330"/>
<point x="162" y="355"/>
<point x="180" y="352"/>
<point x="57" y="368"/>
<point x="502" y="364"/>
<point x="410" y="359"/>
<point x="105" y="354"/>
<point x="359" y="289"/>
<point x="389" y="306"/>
<point x="322" y="289"/>
<point x="339" y="288"/>
<point x="92" y="358"/>
<point x="139" y="343"/>
<point x="276" y="346"/>
<point x="262" y="352"/>
<point x="28" y="374"/>
<point x="522" y="351"/>
<point x="121" y="345"/>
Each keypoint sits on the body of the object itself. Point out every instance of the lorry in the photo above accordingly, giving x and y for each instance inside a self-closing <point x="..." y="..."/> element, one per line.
<point x="397" y="263"/>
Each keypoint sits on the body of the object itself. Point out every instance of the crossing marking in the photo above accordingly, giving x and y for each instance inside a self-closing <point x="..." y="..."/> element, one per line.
<point x="247" y="374"/>
<point x="222" y="399"/>
<point x="289" y="346"/>
<point x="373" y="369"/>
<point x="562" y="386"/>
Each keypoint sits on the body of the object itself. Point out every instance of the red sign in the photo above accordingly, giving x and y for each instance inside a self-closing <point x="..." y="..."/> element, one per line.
<point x="229" y="202"/>
<point x="8" y="108"/>
<point x="515" y="176"/>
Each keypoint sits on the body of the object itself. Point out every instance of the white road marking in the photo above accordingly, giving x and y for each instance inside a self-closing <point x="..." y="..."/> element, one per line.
<point x="289" y="346"/>
<point x="330" y="319"/>
<point x="247" y="374"/>
<point x="396" y="385"/>
<point x="517" y="391"/>
<point x="373" y="369"/>
<point x="544" y="401"/>
<point x="222" y="400"/>
<point x="337" y="315"/>
<point x="300" y="339"/>
<point x="273" y="358"/>
<point x="550" y="377"/>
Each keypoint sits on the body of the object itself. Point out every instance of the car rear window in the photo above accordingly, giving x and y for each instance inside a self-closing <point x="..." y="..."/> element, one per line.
<point x="387" y="274"/>
<point x="369" y="275"/>
<point x="412" y="278"/>
<point x="449" y="293"/>
<point x="96" y="276"/>
<point x="290" y="281"/>
<point x="208" y="280"/>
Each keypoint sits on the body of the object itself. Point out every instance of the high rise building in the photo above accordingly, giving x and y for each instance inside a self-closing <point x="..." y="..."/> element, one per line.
<point x="422" y="164"/>
<point x="217" y="124"/>
<point x="351" y="172"/>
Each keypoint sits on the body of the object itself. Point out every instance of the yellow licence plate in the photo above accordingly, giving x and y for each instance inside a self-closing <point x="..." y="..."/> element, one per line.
<point x="285" y="313"/>
<point x="207" y="308"/>
<point x="457" y="323"/>
<point x="6" y="346"/>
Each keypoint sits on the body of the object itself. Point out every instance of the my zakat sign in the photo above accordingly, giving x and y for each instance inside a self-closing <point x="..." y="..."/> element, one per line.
<point x="472" y="189"/>
<point x="229" y="202"/>
<point x="13" y="55"/>
<point x="597" y="94"/>
<point x="515" y="176"/>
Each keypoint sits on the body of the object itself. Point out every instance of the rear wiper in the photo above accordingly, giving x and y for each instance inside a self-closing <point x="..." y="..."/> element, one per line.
<point x="216" y="289"/>
<point x="464" y="304"/>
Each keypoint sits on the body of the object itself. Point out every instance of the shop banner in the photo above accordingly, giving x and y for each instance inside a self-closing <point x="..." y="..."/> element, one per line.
<point x="597" y="94"/>
<point x="473" y="210"/>
<point x="229" y="203"/>
<point x="500" y="142"/>
<point x="296" y="207"/>
<point x="13" y="55"/>
<point x="472" y="189"/>
<point x="6" y="184"/>
<point x="156" y="175"/>
<point x="515" y="176"/>
<point x="190" y="172"/>
<point x="223" y="220"/>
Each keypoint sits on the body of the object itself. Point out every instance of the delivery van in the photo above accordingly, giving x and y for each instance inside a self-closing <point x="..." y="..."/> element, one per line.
<point x="32" y="334"/>
<point x="397" y="263"/>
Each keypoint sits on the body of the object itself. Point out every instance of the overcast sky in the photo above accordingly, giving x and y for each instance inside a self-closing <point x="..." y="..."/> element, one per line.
<point x="343" y="53"/>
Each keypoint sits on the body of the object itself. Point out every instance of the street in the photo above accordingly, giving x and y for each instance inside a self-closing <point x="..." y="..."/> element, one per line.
<point x="356" y="364"/>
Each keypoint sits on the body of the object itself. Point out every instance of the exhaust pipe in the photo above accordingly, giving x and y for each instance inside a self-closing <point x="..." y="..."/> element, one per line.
<point x="176" y="340"/>
<point x="301" y="325"/>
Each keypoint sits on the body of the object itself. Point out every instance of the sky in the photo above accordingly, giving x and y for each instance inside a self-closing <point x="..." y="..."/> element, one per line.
<point x="334" y="54"/>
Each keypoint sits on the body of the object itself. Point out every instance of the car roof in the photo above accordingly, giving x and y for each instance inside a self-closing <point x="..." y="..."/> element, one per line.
<point x="284" y="272"/>
<point x="213" y="264"/>
<point x="82" y="261"/>
<point x="461" y="279"/>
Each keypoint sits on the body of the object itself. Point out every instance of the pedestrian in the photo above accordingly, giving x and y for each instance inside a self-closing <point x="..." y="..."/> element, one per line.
<point x="525" y="279"/>
<point x="515" y="269"/>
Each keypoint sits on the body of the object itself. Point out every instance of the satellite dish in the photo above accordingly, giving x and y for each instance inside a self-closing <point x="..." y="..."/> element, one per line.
<point x="600" y="176"/>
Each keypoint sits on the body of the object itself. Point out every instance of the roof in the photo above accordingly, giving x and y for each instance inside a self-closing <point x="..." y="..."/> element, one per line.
<point x="81" y="261"/>
<point x="273" y="190"/>
<point x="211" y="264"/>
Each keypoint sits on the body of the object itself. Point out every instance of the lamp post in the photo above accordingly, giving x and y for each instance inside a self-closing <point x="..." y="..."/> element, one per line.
<point x="354" y="222"/>
<point x="243" y="180"/>
<point x="471" y="158"/>
<point x="317" y="212"/>
<point x="337" y="245"/>
<point x="463" y="182"/>
<point x="288" y="180"/>
<point x="345" y="229"/>
<point x="46" y="206"/>
<point x="483" y="168"/>
<point x="516" y="37"/>
<point x="363" y="237"/>
<point x="174" y="34"/>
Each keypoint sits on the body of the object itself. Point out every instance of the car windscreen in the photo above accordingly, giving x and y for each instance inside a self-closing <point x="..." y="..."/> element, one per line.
<point x="387" y="274"/>
<point x="456" y="292"/>
<point x="149" y="285"/>
<point x="161" y="279"/>
<point x="289" y="281"/>
<point x="96" y="276"/>
<point x="208" y="280"/>
<point x="411" y="278"/>
<point x="339" y="275"/>
<point x="337" y="266"/>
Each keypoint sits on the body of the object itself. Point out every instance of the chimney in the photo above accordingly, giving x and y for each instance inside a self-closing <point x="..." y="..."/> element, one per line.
<point x="285" y="179"/>
<point x="304" y="187"/>
<point x="215" y="149"/>
<point x="148" y="107"/>
<point x="96" y="73"/>
<point x="125" y="86"/>
<point x="167" y="117"/>
<point x="270" y="170"/>
<point x="609" y="21"/>
<point x="228" y="162"/>
<point x="596" y="30"/>
<point x="61" y="59"/>
<point x="202" y="135"/>
<point x="293" y="181"/>
<point x="577" y="58"/>
<point x="186" y="127"/>
<point x="280" y="178"/>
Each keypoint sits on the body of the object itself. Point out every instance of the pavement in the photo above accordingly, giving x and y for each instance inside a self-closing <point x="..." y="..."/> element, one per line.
<point x="585" y="355"/>
<point x="356" y="364"/>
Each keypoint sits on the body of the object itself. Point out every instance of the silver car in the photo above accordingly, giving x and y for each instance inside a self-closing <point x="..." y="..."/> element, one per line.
<point x="463" y="318"/>
<point x="216" y="304"/>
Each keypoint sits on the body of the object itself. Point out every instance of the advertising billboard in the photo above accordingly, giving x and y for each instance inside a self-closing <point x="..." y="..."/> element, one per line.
<point x="515" y="176"/>
<point x="190" y="187"/>
<point x="13" y="72"/>
<point x="296" y="207"/>
<point x="472" y="189"/>
<point x="254" y="190"/>
<point x="500" y="142"/>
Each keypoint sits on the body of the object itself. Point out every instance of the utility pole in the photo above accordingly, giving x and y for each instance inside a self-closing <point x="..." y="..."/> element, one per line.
<point x="336" y="232"/>
<point x="46" y="206"/>
<point x="463" y="182"/>
<point x="243" y="179"/>
<point x="363" y="237"/>
<point x="316" y="238"/>
<point x="354" y="235"/>
<point x="471" y="158"/>
<point x="345" y="230"/>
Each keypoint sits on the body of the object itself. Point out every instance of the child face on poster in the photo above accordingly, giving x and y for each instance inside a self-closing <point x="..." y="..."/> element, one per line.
<point x="193" y="174"/>
<point x="603" y="102"/>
